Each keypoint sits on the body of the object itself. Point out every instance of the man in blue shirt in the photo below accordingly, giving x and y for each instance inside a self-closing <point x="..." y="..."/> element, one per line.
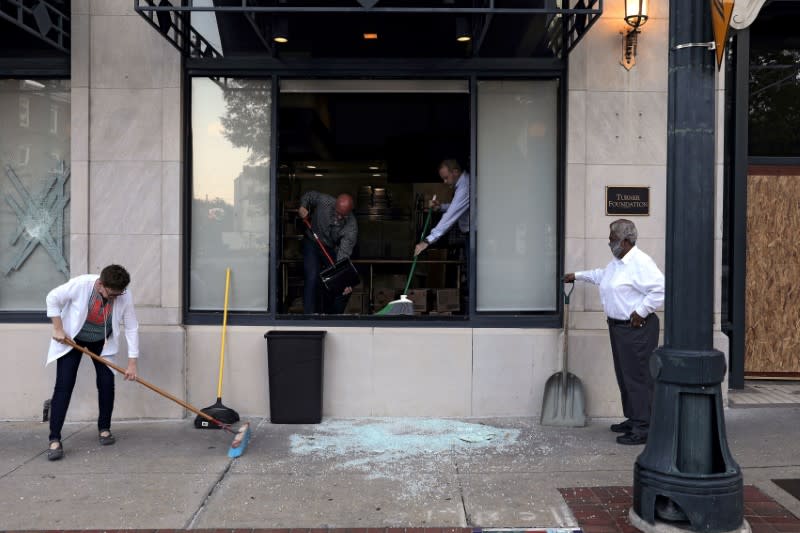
<point x="456" y="211"/>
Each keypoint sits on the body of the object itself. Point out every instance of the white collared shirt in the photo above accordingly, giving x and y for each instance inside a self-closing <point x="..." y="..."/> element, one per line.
<point x="633" y="283"/>
<point x="456" y="211"/>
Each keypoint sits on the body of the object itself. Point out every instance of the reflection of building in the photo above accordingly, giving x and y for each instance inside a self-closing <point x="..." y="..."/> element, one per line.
<point x="133" y="200"/>
<point x="250" y="207"/>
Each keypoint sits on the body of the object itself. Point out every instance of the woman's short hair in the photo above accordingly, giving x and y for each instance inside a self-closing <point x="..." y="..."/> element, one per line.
<point x="115" y="277"/>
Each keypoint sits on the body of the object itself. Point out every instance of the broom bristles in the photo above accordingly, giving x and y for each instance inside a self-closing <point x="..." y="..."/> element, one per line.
<point x="240" y="441"/>
<point x="403" y="306"/>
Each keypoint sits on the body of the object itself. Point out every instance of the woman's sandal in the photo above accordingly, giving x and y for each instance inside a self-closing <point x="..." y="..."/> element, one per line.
<point x="54" y="454"/>
<point x="107" y="439"/>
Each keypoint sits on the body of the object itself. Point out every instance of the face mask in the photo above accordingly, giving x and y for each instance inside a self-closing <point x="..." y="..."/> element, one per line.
<point x="616" y="248"/>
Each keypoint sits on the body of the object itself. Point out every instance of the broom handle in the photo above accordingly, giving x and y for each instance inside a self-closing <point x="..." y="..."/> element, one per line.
<point x="224" y="327"/>
<point x="414" y="263"/>
<point x="322" y="246"/>
<point x="150" y="386"/>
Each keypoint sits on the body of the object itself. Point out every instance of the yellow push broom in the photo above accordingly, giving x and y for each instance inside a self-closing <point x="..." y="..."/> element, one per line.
<point x="218" y="410"/>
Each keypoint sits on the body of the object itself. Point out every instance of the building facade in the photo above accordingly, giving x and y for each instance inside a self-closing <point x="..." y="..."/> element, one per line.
<point x="179" y="151"/>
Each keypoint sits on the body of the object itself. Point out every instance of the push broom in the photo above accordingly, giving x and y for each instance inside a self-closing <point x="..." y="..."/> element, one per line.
<point x="404" y="306"/>
<point x="241" y="436"/>
<point x="218" y="410"/>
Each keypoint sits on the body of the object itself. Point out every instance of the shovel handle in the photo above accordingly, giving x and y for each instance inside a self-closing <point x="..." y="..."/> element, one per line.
<point x="568" y="294"/>
<point x="150" y="386"/>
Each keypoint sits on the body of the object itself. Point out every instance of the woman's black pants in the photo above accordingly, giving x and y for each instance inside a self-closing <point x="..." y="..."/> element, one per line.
<point x="66" y="373"/>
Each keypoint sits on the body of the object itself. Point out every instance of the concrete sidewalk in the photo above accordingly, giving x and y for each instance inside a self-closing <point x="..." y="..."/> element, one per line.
<point x="354" y="473"/>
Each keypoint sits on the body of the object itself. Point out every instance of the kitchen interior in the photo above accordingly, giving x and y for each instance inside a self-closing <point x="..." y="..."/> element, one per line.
<point x="384" y="149"/>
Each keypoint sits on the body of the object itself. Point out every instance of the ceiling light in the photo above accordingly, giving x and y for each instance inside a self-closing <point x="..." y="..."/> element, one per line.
<point x="311" y="167"/>
<point x="373" y="168"/>
<point x="463" y="33"/>
<point x="280" y="30"/>
<point x="370" y="36"/>
<point x="376" y="175"/>
<point x="317" y="175"/>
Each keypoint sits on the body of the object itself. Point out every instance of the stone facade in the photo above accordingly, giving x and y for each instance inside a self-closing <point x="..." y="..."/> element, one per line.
<point x="126" y="208"/>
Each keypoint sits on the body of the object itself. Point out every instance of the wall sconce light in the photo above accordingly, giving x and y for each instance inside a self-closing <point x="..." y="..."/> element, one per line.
<point x="280" y="30"/>
<point x="635" y="17"/>
<point x="463" y="33"/>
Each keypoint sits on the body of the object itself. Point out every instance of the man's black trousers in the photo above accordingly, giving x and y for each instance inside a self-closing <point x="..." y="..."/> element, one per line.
<point x="632" y="349"/>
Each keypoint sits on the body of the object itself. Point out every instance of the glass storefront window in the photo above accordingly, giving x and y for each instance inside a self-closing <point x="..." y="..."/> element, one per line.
<point x="774" y="110"/>
<point x="516" y="219"/>
<point x="34" y="190"/>
<point x="230" y="193"/>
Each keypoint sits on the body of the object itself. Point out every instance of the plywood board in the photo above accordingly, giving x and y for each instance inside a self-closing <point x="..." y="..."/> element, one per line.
<point x="772" y="318"/>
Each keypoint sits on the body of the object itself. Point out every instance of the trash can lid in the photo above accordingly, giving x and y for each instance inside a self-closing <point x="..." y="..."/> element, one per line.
<point x="293" y="333"/>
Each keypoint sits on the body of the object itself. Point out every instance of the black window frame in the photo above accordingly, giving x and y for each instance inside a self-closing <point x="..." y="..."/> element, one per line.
<point x="473" y="70"/>
<point x="32" y="68"/>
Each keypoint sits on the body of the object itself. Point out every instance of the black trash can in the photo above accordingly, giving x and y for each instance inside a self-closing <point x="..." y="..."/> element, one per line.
<point x="295" y="376"/>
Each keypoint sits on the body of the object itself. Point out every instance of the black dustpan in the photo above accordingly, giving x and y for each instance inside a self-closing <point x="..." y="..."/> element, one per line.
<point x="226" y="415"/>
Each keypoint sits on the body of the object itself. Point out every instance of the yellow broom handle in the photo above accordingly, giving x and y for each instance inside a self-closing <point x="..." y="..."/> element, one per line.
<point x="224" y="327"/>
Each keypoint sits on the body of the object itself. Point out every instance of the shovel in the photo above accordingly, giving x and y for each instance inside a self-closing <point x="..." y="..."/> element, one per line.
<point x="564" y="403"/>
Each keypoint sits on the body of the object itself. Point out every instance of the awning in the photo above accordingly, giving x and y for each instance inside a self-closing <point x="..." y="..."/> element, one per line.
<point x="319" y="29"/>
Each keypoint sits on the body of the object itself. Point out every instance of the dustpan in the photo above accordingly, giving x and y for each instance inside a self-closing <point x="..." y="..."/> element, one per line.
<point x="564" y="402"/>
<point x="340" y="274"/>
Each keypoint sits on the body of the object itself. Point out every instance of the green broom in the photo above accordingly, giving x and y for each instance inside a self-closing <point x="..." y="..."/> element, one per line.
<point x="404" y="306"/>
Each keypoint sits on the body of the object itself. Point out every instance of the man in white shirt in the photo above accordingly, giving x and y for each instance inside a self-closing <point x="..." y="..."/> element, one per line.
<point x="631" y="289"/>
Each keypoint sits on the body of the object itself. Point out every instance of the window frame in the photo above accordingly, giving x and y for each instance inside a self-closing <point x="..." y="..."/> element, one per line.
<point x="22" y="68"/>
<point x="472" y="71"/>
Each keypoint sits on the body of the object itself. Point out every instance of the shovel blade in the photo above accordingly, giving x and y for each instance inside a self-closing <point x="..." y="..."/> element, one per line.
<point x="564" y="404"/>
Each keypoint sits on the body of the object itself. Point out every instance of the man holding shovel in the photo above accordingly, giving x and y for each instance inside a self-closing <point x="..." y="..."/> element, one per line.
<point x="91" y="311"/>
<point x="631" y="289"/>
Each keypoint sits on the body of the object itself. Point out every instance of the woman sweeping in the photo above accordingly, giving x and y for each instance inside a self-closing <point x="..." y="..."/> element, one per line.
<point x="90" y="310"/>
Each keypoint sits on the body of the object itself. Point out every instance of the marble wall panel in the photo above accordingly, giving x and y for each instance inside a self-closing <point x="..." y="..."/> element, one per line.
<point x="125" y="125"/>
<point x="598" y="177"/>
<point x="576" y="200"/>
<point x="125" y="197"/>
<point x="139" y="254"/>
<point x="422" y="372"/>
<point x="510" y="368"/>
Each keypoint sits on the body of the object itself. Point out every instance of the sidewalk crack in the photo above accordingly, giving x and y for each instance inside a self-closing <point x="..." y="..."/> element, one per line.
<point x="466" y="514"/>
<point x="203" y="504"/>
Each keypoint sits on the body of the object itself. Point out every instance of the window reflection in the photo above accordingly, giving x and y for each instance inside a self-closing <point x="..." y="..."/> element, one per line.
<point x="230" y="192"/>
<point x="775" y="84"/>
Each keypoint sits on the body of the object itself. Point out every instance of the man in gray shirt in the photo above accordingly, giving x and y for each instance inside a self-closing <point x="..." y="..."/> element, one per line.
<point x="335" y="225"/>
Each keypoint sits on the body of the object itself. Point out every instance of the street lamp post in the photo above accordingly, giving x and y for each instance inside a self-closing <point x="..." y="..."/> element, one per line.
<point x="686" y="474"/>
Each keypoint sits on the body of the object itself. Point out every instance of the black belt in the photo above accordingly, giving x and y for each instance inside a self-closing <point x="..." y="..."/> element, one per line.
<point x="616" y="322"/>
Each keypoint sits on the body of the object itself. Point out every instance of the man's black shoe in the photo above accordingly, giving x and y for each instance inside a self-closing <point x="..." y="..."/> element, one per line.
<point x="622" y="427"/>
<point x="632" y="438"/>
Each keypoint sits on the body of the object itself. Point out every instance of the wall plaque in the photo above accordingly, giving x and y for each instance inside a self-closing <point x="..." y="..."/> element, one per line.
<point x="630" y="201"/>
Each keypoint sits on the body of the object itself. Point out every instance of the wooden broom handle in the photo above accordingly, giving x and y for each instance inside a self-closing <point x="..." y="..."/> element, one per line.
<point x="150" y="386"/>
